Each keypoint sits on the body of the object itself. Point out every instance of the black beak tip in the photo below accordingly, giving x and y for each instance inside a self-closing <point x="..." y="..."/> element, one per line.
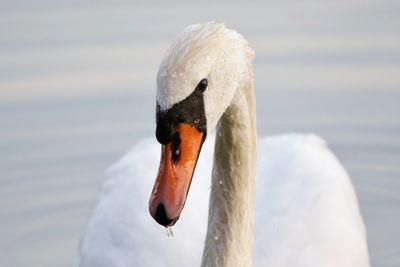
<point x="162" y="218"/>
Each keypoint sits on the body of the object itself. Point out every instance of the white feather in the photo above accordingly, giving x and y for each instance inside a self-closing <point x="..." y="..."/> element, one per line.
<point x="306" y="212"/>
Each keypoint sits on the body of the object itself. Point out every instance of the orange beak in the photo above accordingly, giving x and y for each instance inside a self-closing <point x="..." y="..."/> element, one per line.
<point x="178" y="161"/>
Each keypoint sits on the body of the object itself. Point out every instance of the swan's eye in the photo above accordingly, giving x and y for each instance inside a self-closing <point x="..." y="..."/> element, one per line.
<point x="202" y="86"/>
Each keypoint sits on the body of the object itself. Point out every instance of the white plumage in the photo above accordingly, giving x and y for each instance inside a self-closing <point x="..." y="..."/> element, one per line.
<point x="306" y="211"/>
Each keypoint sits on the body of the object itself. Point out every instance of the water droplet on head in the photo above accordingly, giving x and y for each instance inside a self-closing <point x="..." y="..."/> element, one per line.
<point x="197" y="121"/>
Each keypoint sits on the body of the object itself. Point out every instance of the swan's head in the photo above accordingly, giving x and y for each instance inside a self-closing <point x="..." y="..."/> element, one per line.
<point x="196" y="82"/>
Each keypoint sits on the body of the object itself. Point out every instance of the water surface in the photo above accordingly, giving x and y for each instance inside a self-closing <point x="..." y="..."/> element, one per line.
<point x="77" y="90"/>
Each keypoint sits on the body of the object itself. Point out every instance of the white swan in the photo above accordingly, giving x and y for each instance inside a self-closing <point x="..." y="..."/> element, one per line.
<point x="306" y="209"/>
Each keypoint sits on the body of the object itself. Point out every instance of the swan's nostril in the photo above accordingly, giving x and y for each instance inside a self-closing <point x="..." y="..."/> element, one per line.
<point x="161" y="216"/>
<point x="175" y="148"/>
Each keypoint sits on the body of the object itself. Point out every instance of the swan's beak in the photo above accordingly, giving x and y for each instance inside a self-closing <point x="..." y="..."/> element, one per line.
<point x="178" y="161"/>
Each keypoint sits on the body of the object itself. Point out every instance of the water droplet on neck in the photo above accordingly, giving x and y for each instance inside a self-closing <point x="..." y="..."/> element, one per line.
<point x="170" y="234"/>
<point x="163" y="73"/>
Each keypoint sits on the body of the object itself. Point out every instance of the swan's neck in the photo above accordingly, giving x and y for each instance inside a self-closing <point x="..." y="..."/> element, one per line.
<point x="229" y="240"/>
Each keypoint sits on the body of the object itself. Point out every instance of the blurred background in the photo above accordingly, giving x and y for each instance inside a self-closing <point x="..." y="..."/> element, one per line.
<point x="77" y="89"/>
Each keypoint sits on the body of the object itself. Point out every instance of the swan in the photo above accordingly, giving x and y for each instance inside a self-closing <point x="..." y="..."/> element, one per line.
<point x="304" y="213"/>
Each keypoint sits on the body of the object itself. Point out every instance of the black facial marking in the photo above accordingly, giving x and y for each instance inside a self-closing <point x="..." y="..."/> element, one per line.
<point x="190" y="111"/>
<point x="164" y="130"/>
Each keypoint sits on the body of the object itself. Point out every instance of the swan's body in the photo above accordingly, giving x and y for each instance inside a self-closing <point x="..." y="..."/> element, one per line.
<point x="306" y="214"/>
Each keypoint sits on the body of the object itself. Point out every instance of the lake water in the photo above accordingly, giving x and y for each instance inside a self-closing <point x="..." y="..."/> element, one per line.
<point x="77" y="90"/>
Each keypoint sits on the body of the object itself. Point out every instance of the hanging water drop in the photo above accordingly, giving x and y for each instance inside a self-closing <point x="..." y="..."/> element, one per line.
<point x="170" y="234"/>
<point x="216" y="237"/>
<point x="220" y="182"/>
